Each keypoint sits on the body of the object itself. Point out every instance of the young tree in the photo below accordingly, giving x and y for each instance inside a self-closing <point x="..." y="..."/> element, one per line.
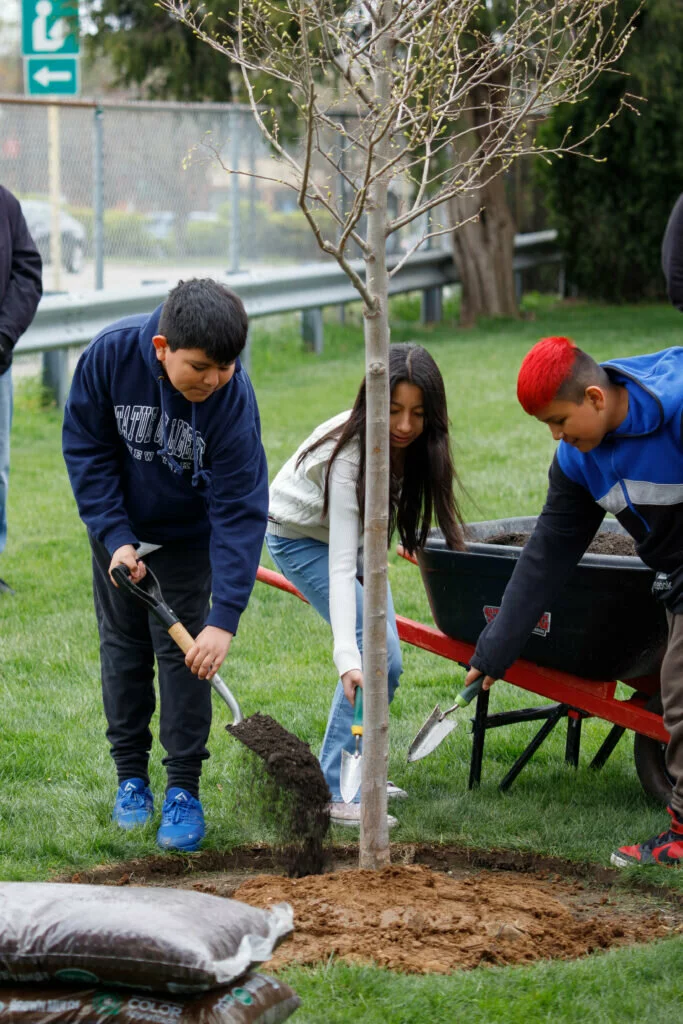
<point x="410" y="71"/>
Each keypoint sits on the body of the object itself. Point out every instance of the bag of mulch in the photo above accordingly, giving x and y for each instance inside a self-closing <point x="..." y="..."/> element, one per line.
<point x="252" y="999"/>
<point x="164" y="940"/>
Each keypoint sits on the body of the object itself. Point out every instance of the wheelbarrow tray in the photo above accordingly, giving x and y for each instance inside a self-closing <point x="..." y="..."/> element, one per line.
<point x="605" y="624"/>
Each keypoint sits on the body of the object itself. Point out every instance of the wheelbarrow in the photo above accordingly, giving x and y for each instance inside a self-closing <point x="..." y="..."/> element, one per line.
<point x="605" y="627"/>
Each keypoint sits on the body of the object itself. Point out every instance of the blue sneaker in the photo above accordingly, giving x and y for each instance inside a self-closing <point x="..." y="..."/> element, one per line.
<point x="134" y="804"/>
<point x="182" y="821"/>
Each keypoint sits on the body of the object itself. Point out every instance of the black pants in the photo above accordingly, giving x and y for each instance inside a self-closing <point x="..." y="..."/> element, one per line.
<point x="129" y="640"/>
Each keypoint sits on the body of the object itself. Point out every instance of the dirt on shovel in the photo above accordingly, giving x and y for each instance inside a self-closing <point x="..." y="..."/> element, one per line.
<point x="301" y="804"/>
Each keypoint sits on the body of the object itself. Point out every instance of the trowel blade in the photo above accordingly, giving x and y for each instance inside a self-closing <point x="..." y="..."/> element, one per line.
<point x="350" y="775"/>
<point x="433" y="732"/>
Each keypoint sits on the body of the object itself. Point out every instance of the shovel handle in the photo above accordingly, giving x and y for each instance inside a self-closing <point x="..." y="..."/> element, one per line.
<point x="181" y="636"/>
<point x="357" y="725"/>
<point x="185" y="640"/>
<point x="469" y="693"/>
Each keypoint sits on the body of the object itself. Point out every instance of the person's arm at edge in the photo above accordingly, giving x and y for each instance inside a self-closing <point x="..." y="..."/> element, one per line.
<point x="672" y="254"/>
<point x="25" y="286"/>
<point x="568" y="522"/>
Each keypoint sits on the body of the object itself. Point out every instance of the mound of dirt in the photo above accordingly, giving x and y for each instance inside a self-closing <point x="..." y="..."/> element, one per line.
<point x="606" y="543"/>
<point x="412" y="919"/>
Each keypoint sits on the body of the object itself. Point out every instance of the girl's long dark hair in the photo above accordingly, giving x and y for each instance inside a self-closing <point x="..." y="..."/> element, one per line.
<point x="426" y="490"/>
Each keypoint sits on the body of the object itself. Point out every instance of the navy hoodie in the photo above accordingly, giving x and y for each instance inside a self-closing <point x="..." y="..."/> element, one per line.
<point x="147" y="465"/>
<point x="20" y="270"/>
<point x="636" y="473"/>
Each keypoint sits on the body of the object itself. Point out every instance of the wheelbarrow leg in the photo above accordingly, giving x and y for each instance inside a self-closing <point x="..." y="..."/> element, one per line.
<point x="571" y="750"/>
<point x="608" y="745"/>
<point x="559" y="712"/>
<point x="478" y="737"/>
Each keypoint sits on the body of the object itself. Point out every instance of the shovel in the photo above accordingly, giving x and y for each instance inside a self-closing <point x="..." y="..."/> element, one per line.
<point x="148" y="592"/>
<point x="352" y="764"/>
<point x="287" y="759"/>
<point x="438" y="725"/>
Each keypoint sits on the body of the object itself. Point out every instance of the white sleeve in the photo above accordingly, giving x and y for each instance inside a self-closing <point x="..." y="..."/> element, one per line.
<point x="344" y="520"/>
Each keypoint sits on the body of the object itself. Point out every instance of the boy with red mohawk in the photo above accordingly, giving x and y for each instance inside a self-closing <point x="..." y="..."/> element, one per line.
<point x="620" y="431"/>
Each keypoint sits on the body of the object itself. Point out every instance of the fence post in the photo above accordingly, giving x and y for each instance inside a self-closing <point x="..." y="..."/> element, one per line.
<point x="98" y="198"/>
<point x="312" y="329"/>
<point x="235" y="126"/>
<point x="55" y="188"/>
<point x="55" y="377"/>
<point x="432" y="305"/>
<point x="519" y="285"/>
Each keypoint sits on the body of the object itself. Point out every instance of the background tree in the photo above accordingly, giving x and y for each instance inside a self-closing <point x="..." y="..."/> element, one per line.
<point x="611" y="215"/>
<point x="148" y="48"/>
<point x="409" y="71"/>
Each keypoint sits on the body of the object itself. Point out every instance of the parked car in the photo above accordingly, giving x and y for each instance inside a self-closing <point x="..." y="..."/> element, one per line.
<point x="160" y="224"/>
<point x="38" y="214"/>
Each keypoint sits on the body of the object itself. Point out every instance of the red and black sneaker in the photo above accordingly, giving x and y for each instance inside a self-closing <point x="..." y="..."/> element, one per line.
<point x="666" y="848"/>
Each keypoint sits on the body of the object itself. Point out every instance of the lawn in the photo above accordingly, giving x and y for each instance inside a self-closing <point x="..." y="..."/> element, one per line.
<point x="56" y="776"/>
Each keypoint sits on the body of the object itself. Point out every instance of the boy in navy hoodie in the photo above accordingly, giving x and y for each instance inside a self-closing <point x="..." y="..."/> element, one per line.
<point x="162" y="443"/>
<point x="620" y="432"/>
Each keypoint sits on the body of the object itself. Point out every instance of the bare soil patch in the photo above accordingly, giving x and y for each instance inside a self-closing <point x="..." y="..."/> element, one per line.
<point x="436" y="916"/>
<point x="606" y="543"/>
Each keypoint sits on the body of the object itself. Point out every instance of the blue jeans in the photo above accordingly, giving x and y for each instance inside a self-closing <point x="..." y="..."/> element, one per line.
<point x="305" y="563"/>
<point x="5" y="426"/>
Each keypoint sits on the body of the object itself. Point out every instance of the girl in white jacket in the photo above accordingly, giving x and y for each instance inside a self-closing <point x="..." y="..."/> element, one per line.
<point x="315" y="527"/>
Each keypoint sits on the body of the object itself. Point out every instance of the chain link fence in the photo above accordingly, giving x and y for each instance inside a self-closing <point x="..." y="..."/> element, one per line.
<point x="122" y="194"/>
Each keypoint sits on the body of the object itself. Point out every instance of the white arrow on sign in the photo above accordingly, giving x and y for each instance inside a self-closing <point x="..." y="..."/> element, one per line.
<point x="45" y="77"/>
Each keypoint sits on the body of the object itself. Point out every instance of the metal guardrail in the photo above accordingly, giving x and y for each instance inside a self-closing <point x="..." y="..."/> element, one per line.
<point x="65" y="321"/>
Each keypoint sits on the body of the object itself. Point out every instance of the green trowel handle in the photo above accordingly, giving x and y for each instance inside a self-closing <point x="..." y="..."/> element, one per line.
<point x="357" y="725"/>
<point x="469" y="693"/>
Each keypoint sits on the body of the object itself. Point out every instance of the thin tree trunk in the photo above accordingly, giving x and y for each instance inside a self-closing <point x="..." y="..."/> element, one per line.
<point x="483" y="249"/>
<point x="374" y="833"/>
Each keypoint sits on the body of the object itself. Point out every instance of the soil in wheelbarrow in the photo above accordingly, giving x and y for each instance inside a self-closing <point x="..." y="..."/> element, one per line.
<point x="436" y="916"/>
<point x="606" y="543"/>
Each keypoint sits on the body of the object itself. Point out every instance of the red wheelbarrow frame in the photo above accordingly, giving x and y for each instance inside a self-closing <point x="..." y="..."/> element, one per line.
<point x="576" y="698"/>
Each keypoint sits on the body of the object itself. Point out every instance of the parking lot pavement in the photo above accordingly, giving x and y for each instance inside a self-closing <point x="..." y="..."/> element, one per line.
<point x="134" y="275"/>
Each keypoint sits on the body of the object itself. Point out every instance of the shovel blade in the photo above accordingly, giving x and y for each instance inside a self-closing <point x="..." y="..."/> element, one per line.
<point x="350" y="775"/>
<point x="433" y="732"/>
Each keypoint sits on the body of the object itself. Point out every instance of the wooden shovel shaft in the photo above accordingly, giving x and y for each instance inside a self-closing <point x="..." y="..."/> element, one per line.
<point x="181" y="637"/>
<point x="185" y="641"/>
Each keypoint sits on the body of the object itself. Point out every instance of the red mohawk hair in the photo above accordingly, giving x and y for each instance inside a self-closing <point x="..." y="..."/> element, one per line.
<point x="544" y="370"/>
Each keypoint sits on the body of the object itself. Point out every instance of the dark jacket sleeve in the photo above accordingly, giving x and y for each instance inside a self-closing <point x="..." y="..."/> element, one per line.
<point x="569" y="521"/>
<point x="238" y="512"/>
<point x="24" y="287"/>
<point x="672" y="254"/>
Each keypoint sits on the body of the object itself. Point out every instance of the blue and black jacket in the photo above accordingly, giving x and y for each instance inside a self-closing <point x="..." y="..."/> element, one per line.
<point x="147" y="465"/>
<point x="636" y="473"/>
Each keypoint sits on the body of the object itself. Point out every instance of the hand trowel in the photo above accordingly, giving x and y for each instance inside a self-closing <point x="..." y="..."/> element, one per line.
<point x="438" y="725"/>
<point x="352" y="764"/>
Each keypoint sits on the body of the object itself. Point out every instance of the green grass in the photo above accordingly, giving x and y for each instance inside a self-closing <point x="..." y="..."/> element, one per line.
<point x="56" y="776"/>
<point x="639" y="985"/>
